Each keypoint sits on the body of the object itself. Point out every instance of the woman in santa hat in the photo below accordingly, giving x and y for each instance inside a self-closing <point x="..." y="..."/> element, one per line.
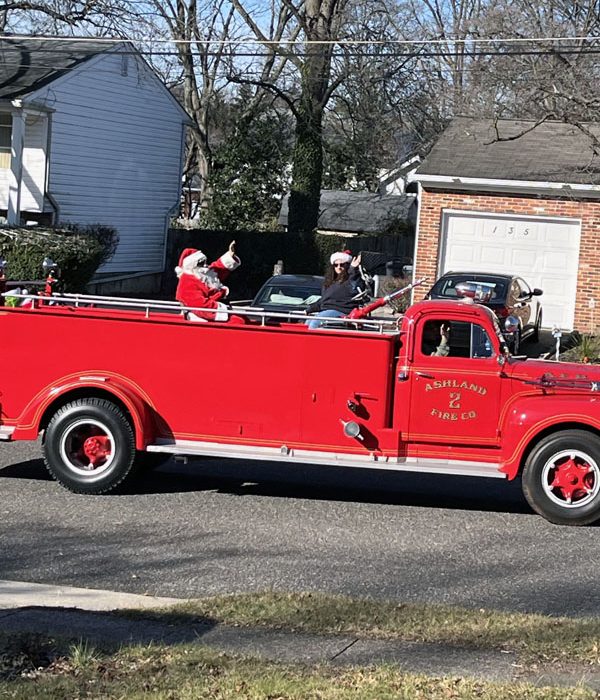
<point x="201" y="286"/>
<point x="339" y="289"/>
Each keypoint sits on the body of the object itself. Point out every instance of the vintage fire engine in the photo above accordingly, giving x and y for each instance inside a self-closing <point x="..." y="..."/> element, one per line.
<point x="112" y="384"/>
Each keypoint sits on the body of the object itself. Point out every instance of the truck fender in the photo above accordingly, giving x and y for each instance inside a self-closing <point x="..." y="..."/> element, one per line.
<point x="527" y="419"/>
<point x="133" y="398"/>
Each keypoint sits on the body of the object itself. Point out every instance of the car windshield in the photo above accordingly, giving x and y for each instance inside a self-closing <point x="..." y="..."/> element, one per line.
<point x="289" y="295"/>
<point x="446" y="286"/>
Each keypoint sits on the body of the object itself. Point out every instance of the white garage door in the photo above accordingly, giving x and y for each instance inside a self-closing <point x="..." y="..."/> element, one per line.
<point x="544" y="252"/>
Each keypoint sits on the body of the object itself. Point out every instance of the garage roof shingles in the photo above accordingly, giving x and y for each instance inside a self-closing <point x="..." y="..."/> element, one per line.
<point x="359" y="212"/>
<point x="550" y="152"/>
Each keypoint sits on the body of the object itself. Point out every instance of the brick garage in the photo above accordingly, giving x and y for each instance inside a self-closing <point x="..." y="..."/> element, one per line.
<point x="544" y="175"/>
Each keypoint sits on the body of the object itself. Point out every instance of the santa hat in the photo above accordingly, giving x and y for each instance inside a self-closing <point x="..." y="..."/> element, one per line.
<point x="189" y="259"/>
<point x="343" y="257"/>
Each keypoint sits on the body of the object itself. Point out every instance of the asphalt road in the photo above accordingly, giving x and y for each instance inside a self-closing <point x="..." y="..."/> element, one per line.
<point x="218" y="526"/>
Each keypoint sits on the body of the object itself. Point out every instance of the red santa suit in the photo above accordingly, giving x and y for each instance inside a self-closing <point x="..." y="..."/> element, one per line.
<point x="201" y="286"/>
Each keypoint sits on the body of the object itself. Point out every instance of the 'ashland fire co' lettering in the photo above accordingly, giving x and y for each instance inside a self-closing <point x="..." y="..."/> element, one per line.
<point x="456" y="384"/>
<point x="453" y="415"/>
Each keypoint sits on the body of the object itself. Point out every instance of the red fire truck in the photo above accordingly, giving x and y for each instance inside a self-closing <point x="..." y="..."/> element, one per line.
<point x="112" y="384"/>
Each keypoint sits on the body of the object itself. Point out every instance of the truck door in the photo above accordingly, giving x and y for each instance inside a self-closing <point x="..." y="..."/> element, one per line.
<point x="455" y="384"/>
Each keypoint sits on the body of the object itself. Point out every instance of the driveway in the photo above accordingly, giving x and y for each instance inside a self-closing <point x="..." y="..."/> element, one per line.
<point x="545" y="345"/>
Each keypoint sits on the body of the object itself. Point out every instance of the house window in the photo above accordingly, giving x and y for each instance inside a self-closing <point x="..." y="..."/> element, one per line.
<point x="5" y="139"/>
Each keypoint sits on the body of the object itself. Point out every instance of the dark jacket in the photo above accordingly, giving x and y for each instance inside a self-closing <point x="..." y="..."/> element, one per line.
<point x="338" y="296"/>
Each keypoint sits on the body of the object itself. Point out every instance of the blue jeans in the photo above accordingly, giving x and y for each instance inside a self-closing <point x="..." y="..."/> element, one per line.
<point x="328" y="313"/>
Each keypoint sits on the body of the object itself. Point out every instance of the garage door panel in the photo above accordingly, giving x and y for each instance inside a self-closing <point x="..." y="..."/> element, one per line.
<point x="465" y="227"/>
<point x="545" y="252"/>
<point x="533" y="233"/>
<point x="522" y="257"/>
<point x="561" y="236"/>
<point x="553" y="260"/>
<point x="554" y="287"/>
<point x="551" y="310"/>
<point x="490" y="255"/>
<point x="465" y="253"/>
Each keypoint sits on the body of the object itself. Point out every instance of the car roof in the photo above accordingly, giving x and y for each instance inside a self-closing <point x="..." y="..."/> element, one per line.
<point x="295" y="279"/>
<point x="495" y="275"/>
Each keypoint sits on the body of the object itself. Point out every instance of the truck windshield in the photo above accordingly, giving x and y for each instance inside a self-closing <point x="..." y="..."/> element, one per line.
<point x="443" y="338"/>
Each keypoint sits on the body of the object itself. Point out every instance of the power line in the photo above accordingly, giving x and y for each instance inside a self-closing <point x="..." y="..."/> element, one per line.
<point x="358" y="54"/>
<point x="14" y="38"/>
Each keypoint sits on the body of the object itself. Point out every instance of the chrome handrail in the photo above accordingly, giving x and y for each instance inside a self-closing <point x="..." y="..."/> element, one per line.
<point x="380" y="325"/>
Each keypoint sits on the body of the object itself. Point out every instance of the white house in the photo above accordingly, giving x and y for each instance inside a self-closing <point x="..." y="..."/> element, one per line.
<point x="90" y="135"/>
<point x="394" y="180"/>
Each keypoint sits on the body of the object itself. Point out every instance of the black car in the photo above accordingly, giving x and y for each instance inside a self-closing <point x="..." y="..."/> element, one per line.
<point x="511" y="296"/>
<point x="284" y="293"/>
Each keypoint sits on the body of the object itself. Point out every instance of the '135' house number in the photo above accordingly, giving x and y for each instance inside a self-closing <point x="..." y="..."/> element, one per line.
<point x="507" y="231"/>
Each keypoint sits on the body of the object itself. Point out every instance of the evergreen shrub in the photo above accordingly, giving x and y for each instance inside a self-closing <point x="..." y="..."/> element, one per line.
<point x="78" y="251"/>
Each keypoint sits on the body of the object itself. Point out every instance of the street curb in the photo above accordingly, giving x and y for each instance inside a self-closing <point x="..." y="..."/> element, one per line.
<point x="21" y="594"/>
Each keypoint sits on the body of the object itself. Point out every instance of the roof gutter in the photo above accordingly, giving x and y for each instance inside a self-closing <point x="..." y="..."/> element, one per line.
<point x="456" y="182"/>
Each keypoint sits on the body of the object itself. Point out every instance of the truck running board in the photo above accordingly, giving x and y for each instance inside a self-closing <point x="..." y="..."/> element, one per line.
<point x="285" y="454"/>
<point x="6" y="431"/>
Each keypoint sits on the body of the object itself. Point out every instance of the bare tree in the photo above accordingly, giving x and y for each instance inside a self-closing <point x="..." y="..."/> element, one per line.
<point x="318" y="22"/>
<point x="376" y="117"/>
<point x="557" y="80"/>
<point x="55" y="15"/>
<point x="201" y="32"/>
<point x="537" y="80"/>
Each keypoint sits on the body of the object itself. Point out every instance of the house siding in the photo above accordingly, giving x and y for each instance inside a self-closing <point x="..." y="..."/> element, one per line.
<point x="116" y="155"/>
<point x="435" y="202"/>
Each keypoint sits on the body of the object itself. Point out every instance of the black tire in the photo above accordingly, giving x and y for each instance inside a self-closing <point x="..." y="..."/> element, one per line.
<point x="564" y="466"/>
<point x="535" y="336"/>
<point x="89" y="446"/>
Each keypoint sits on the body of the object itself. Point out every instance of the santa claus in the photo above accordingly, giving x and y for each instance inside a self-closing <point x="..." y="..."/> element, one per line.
<point x="201" y="286"/>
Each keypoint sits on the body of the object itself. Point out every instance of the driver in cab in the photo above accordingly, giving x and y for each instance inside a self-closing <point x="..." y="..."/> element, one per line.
<point x="436" y="339"/>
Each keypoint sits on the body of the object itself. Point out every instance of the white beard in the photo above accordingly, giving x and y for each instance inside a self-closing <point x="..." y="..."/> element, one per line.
<point x="208" y="276"/>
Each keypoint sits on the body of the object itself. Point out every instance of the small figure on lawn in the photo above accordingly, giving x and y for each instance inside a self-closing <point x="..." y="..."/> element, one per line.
<point x="201" y="286"/>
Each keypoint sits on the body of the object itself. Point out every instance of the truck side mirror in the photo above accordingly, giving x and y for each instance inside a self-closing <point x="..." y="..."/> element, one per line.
<point x="511" y="325"/>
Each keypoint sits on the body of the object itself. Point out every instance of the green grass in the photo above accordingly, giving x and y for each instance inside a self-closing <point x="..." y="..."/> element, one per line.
<point x="533" y="637"/>
<point x="34" y="667"/>
<point x="192" y="672"/>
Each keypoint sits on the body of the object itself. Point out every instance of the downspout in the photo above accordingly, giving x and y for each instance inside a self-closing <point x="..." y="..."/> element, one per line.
<point x="175" y="208"/>
<point x="416" y="248"/>
<point x="54" y="204"/>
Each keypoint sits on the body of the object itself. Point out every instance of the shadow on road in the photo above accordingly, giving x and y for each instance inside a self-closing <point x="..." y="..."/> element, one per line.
<point x="340" y="484"/>
<point x="31" y="469"/>
<point x="276" y="480"/>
